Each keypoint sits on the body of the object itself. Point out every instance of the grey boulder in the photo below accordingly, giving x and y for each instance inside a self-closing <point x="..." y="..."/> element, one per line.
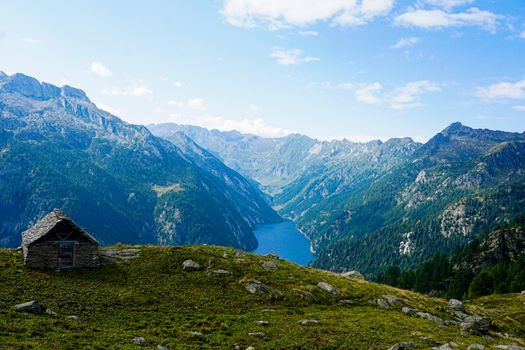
<point x="476" y="324"/>
<point x="404" y="345"/>
<point x="190" y="265"/>
<point x="353" y="274"/>
<point x="269" y="266"/>
<point x="327" y="287"/>
<point x="257" y="287"/>
<point x="456" y="305"/>
<point x="32" y="306"/>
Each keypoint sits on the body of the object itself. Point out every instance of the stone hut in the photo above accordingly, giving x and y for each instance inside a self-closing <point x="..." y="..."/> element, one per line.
<point x="56" y="242"/>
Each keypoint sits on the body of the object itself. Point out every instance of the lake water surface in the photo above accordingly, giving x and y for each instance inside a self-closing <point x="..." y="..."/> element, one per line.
<point x="284" y="239"/>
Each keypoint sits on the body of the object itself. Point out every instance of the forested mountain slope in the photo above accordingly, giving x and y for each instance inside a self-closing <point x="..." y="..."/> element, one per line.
<point x="57" y="149"/>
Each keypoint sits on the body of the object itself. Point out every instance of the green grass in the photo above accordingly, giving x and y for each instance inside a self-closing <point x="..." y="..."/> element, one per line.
<point x="152" y="297"/>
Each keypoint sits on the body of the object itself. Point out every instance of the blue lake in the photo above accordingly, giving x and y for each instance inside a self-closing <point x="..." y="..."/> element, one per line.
<point x="285" y="240"/>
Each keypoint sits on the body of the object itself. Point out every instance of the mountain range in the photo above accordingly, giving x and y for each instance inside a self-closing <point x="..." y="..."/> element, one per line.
<point x="58" y="150"/>
<point x="367" y="206"/>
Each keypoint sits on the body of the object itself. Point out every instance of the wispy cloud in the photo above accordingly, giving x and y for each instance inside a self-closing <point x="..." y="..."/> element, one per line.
<point x="308" y="33"/>
<point x="503" y="90"/>
<point x="275" y="14"/>
<point x="139" y="91"/>
<point x="520" y="108"/>
<point x="291" y="56"/>
<point x="196" y="103"/>
<point x="107" y="108"/>
<point x="100" y="69"/>
<point x="409" y="95"/>
<point x="436" y="19"/>
<point x="405" y="42"/>
<point x="367" y="93"/>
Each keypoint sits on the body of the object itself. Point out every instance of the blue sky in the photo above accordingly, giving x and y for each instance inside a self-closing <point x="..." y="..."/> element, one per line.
<point x="359" y="69"/>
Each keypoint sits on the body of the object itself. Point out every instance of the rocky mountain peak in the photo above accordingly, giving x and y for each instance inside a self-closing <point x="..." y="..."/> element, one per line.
<point x="30" y="87"/>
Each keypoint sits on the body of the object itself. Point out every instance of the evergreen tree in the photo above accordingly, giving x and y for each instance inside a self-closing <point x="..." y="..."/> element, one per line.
<point x="482" y="284"/>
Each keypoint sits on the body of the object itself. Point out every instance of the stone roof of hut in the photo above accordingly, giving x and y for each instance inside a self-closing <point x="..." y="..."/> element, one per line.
<point x="47" y="223"/>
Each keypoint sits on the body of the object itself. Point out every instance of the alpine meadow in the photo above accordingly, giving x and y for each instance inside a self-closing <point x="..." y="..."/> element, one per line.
<point x="262" y="174"/>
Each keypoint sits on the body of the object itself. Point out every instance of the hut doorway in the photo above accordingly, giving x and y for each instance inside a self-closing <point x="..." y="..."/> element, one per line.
<point x="66" y="255"/>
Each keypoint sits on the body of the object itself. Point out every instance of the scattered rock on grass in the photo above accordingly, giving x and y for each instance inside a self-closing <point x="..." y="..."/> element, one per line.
<point x="51" y="312"/>
<point x="74" y="318"/>
<point x="510" y="347"/>
<point x="353" y="274"/>
<point x="476" y="324"/>
<point x="190" y="265"/>
<point x="307" y="322"/>
<point x="197" y="335"/>
<point x="392" y="299"/>
<point x="409" y="311"/>
<point x="139" y="340"/>
<point x="257" y="287"/>
<point x="262" y="323"/>
<point x="257" y="334"/>
<point x="269" y="266"/>
<point x="380" y="302"/>
<point x="443" y="347"/>
<point x="239" y="253"/>
<point x="476" y="347"/>
<point x="162" y="347"/>
<point x="273" y="256"/>
<point x="456" y="305"/>
<point x="31" y="306"/>
<point x="305" y="295"/>
<point x="404" y="345"/>
<point x="221" y="272"/>
<point x="430" y="317"/>
<point x="327" y="287"/>
<point x="346" y="302"/>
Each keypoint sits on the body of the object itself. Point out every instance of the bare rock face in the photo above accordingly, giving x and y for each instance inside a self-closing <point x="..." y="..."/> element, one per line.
<point x="190" y="265"/>
<point x="327" y="288"/>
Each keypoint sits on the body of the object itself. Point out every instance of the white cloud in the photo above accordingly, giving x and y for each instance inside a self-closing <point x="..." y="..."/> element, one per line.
<point x="520" y="108"/>
<point x="177" y="84"/>
<point x="504" y="90"/>
<point x="367" y="93"/>
<point x="248" y="126"/>
<point x="408" y="96"/>
<point x="291" y="57"/>
<point x="522" y="35"/>
<point x="276" y="14"/>
<point x="196" y="103"/>
<point x="436" y="19"/>
<point x="100" y="70"/>
<point x="140" y="91"/>
<point x="448" y="4"/>
<point x="405" y="42"/>
<point x="308" y="33"/>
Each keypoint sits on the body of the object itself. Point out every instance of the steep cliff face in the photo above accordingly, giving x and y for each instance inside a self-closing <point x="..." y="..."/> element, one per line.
<point x="57" y="149"/>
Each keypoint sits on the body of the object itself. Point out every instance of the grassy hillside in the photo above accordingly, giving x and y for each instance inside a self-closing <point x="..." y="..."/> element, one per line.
<point x="152" y="297"/>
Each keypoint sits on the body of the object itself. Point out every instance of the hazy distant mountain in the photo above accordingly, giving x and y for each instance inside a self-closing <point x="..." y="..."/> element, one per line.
<point x="57" y="149"/>
<point x="369" y="205"/>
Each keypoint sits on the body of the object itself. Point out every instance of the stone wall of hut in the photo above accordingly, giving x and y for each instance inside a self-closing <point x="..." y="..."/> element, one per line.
<point x="44" y="255"/>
